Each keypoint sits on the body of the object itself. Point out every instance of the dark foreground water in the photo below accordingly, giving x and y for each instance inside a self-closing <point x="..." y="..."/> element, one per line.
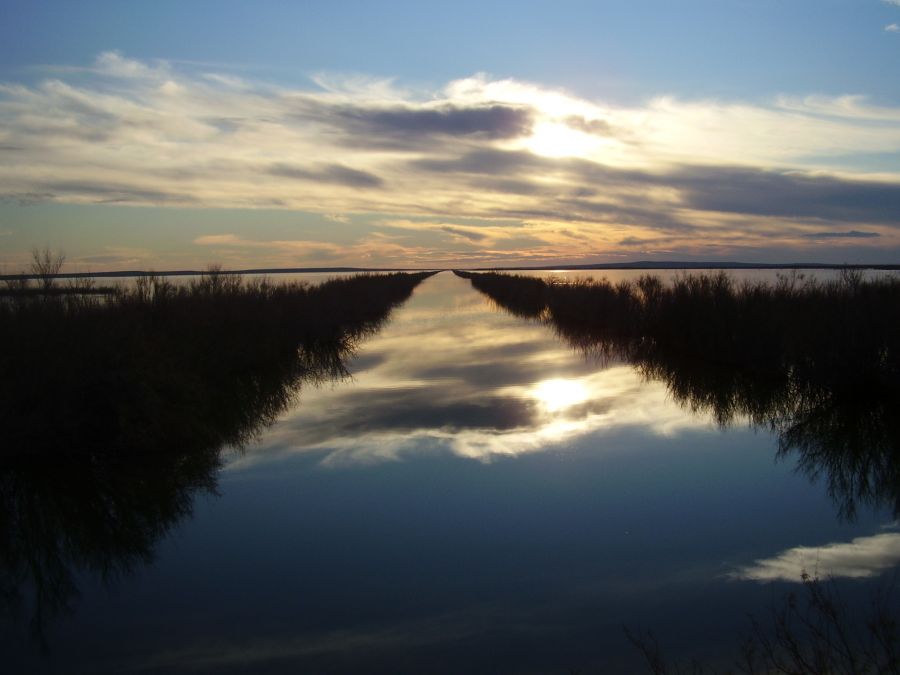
<point x="476" y="498"/>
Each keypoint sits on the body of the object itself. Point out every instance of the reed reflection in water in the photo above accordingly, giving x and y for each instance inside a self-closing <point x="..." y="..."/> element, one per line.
<point x="115" y="411"/>
<point x="817" y="362"/>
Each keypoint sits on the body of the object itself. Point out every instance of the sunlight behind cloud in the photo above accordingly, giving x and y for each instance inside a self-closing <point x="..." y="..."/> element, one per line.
<point x="550" y="176"/>
<point x="551" y="139"/>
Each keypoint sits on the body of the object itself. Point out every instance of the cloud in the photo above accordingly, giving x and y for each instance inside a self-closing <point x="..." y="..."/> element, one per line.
<point x="788" y="194"/>
<point x="25" y="198"/>
<point x="328" y="173"/>
<point x="110" y="192"/>
<point x="892" y="28"/>
<point x="473" y="235"/>
<point x="295" y="249"/>
<point x="598" y="127"/>
<point x="851" y="234"/>
<point x="494" y="406"/>
<point x="531" y="160"/>
<point x="269" y="653"/>
<point x="232" y="248"/>
<point x="486" y="161"/>
<point x="862" y="557"/>
<point x="223" y="240"/>
<point x="892" y="2"/>
<point x="490" y="233"/>
<point x="723" y="188"/>
<point x="491" y="122"/>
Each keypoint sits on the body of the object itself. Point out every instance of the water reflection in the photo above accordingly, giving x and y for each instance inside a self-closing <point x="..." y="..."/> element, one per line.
<point x="453" y="376"/>
<point x="862" y="557"/>
<point x="115" y="413"/>
<point x="816" y="363"/>
<point x="595" y="501"/>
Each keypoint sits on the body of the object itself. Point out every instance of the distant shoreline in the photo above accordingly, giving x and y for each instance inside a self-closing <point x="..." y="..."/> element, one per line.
<point x="639" y="265"/>
<point x="678" y="265"/>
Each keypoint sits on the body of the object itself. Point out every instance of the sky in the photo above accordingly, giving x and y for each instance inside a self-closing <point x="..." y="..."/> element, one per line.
<point x="172" y="135"/>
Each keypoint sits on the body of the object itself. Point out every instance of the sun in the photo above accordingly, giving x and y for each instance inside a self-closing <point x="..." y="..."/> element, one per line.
<point x="552" y="139"/>
<point x="556" y="395"/>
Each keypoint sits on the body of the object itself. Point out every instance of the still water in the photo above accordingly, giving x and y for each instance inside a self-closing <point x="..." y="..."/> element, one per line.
<point x="475" y="497"/>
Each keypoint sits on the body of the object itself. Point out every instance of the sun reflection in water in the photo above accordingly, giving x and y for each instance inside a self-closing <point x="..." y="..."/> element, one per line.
<point x="556" y="395"/>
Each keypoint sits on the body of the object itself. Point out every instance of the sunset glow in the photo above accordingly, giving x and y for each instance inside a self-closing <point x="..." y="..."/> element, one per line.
<point x="127" y="159"/>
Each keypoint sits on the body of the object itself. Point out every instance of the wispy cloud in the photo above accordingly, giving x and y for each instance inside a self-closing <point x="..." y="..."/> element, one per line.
<point x="892" y="28"/>
<point x="230" y="248"/>
<point x="327" y="173"/>
<point x="452" y="627"/>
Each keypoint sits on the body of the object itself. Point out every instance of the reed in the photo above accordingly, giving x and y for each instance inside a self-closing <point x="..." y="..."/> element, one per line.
<point x="87" y="369"/>
<point x="115" y="410"/>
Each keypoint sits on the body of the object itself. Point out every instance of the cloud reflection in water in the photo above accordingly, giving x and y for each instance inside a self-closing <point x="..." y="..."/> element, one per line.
<point x="862" y="557"/>
<point x="450" y="374"/>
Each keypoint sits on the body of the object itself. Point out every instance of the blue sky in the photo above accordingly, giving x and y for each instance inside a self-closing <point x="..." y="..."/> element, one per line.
<point x="626" y="50"/>
<point x="606" y="130"/>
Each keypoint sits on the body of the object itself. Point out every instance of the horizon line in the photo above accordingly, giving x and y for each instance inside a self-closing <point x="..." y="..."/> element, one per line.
<point x="636" y="265"/>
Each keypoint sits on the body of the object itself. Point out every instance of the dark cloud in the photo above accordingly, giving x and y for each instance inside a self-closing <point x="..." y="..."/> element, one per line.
<point x="25" y="198"/>
<point x="485" y="375"/>
<point x="491" y="122"/>
<point x="494" y="413"/>
<point x="406" y="410"/>
<point x="366" y="361"/>
<point x="582" y="174"/>
<point x="511" y="186"/>
<point x="334" y="174"/>
<point x="852" y="234"/>
<point x="226" y="125"/>
<point x="787" y="194"/>
<point x="542" y="214"/>
<point x="112" y="193"/>
<point x="595" y="127"/>
<point x="409" y="128"/>
<point x="486" y="161"/>
<point x="727" y="189"/>
<point x="467" y="234"/>
<point x="599" y="211"/>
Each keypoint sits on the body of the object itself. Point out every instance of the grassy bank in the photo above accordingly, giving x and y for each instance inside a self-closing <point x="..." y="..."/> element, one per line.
<point x="157" y="365"/>
<point x="115" y="410"/>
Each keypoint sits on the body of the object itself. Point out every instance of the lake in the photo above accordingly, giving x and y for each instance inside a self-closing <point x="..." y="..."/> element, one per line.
<point x="476" y="495"/>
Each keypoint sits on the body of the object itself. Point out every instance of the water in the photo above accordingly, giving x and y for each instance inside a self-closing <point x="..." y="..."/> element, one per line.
<point x="476" y="497"/>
